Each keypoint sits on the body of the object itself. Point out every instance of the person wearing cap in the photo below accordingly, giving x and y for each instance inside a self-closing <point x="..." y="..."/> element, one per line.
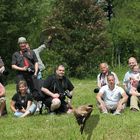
<point x="25" y="63"/>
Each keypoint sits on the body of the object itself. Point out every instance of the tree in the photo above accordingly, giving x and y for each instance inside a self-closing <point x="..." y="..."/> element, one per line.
<point x="79" y="29"/>
<point x="125" y="31"/>
<point x="17" y="18"/>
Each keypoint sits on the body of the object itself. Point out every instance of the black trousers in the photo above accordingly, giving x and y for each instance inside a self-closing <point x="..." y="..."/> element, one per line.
<point x="28" y="78"/>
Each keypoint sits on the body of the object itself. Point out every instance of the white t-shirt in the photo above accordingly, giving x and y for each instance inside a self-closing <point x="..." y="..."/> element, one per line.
<point x="111" y="97"/>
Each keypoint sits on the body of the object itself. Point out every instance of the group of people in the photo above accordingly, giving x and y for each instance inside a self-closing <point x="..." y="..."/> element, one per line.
<point x="111" y="97"/>
<point x="57" y="90"/>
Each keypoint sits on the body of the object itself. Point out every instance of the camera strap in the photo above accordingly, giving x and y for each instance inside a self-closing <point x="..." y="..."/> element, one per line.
<point x="58" y="86"/>
<point x="28" y="59"/>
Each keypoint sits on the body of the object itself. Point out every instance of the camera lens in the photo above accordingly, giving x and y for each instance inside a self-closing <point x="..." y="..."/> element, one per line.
<point x="96" y="90"/>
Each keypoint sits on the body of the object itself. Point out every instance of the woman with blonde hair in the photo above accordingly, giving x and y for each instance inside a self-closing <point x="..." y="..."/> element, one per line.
<point x="22" y="103"/>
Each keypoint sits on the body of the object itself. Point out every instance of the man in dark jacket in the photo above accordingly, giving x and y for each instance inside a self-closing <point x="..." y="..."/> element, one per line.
<point x="56" y="88"/>
<point x="26" y="63"/>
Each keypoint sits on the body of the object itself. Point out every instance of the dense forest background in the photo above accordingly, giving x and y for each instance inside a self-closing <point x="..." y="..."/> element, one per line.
<point x="83" y="35"/>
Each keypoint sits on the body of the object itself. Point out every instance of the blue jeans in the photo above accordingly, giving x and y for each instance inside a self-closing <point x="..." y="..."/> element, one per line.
<point x="31" y="109"/>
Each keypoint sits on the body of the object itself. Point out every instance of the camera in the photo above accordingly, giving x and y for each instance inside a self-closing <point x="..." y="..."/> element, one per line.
<point x="65" y="94"/>
<point x="30" y="70"/>
<point x="18" y="106"/>
<point x="5" y="73"/>
<point x="96" y="90"/>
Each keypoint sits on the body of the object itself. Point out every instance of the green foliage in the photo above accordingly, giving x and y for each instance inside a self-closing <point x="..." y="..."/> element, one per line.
<point x="18" y="18"/>
<point x="125" y="29"/>
<point x="84" y="35"/>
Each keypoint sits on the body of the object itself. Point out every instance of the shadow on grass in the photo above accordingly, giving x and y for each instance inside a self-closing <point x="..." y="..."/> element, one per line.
<point x="91" y="125"/>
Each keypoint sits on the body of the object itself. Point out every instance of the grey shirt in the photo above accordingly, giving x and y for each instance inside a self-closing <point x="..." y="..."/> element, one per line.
<point x="37" y="52"/>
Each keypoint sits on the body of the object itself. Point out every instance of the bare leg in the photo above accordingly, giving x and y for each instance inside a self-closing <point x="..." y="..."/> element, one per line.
<point x="55" y="104"/>
<point x="25" y="114"/>
<point x="2" y="107"/>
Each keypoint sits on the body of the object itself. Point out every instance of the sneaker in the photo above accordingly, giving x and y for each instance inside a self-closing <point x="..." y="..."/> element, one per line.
<point x="51" y="113"/>
<point x="116" y="113"/>
<point x="134" y="109"/>
<point x="37" y="110"/>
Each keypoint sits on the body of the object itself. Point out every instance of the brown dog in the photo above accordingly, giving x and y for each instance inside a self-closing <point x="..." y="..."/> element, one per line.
<point x="81" y="114"/>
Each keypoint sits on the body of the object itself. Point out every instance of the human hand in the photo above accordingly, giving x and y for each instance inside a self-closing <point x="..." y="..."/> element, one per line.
<point x="48" y="42"/>
<point x="133" y="91"/>
<point x="25" y="68"/>
<point x="103" y="106"/>
<point x="35" y="76"/>
<point x="56" y="95"/>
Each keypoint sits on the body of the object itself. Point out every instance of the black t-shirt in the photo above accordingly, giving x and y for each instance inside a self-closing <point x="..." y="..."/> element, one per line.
<point x="58" y="85"/>
<point x="18" y="58"/>
<point x="21" y="100"/>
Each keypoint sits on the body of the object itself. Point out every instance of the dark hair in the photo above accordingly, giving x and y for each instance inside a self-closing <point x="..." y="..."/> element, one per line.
<point x="58" y="67"/>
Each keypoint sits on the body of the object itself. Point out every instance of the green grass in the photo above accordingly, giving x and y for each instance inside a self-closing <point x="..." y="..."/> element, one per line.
<point x="64" y="127"/>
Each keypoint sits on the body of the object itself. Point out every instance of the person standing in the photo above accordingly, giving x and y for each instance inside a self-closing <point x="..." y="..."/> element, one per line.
<point x="37" y="51"/>
<point x="25" y="63"/>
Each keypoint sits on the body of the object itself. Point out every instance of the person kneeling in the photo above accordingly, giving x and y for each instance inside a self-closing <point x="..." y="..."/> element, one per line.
<point x="22" y="103"/>
<point x="111" y="98"/>
<point x="57" y="88"/>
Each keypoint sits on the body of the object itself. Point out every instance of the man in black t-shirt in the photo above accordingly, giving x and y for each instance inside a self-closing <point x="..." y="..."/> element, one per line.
<point x="56" y="88"/>
<point x="26" y="63"/>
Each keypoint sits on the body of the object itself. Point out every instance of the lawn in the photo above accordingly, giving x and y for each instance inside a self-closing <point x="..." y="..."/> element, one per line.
<point x="64" y="127"/>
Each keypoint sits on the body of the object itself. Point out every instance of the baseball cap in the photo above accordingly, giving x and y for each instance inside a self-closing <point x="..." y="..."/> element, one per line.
<point x="22" y="40"/>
